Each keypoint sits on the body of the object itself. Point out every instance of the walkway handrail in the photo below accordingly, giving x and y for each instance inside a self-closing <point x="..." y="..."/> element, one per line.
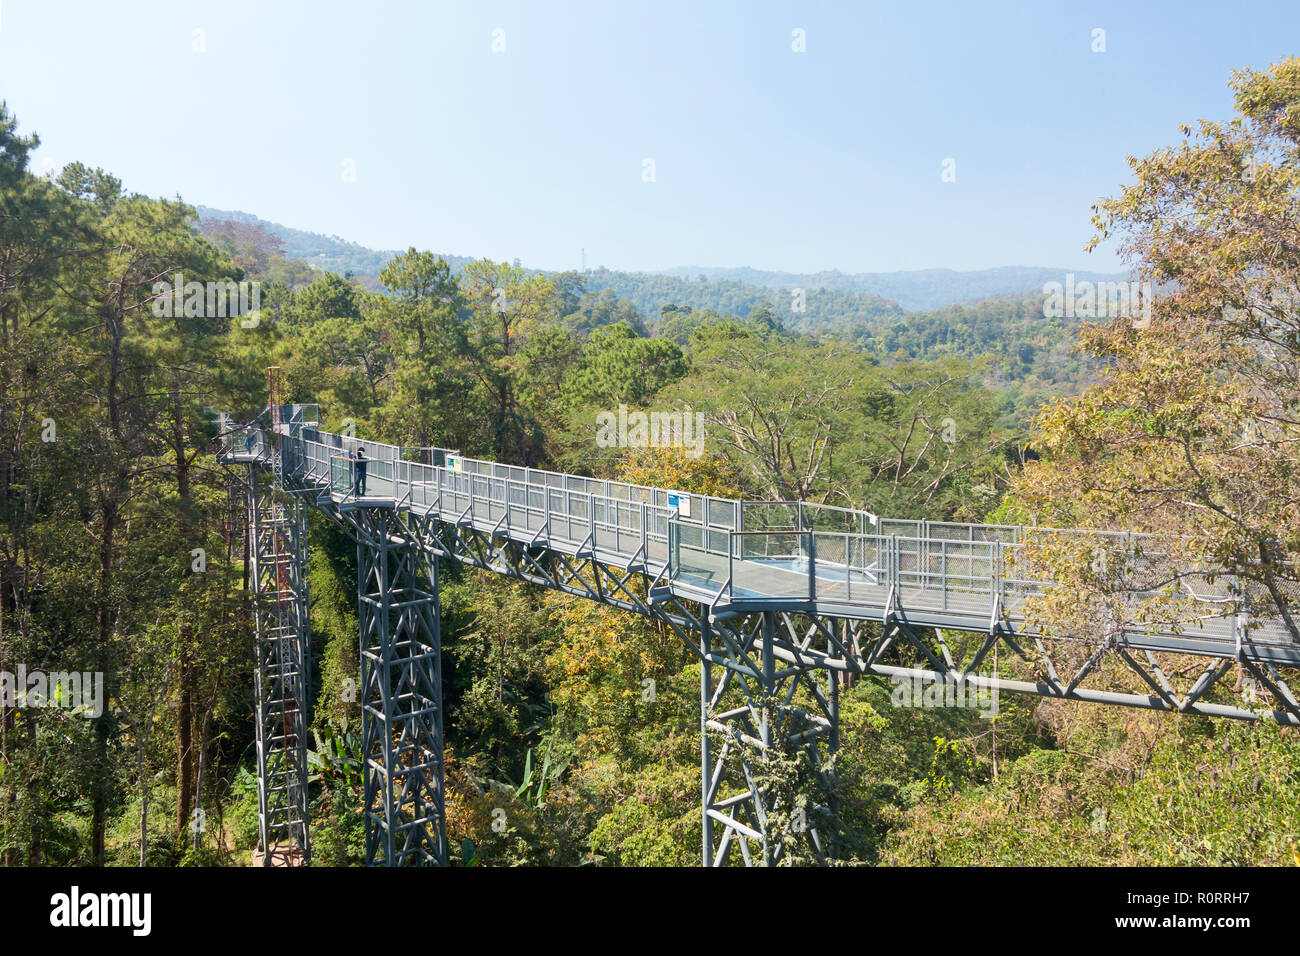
<point x="946" y="567"/>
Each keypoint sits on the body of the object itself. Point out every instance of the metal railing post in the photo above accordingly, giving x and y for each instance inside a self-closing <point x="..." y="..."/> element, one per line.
<point x="943" y="570"/>
<point x="893" y="563"/>
<point x="924" y="547"/>
<point x="995" y="585"/>
<point x="645" y="540"/>
<point x="848" y="570"/>
<point x="731" y="563"/>
<point x="674" y="559"/>
<point x="812" y="566"/>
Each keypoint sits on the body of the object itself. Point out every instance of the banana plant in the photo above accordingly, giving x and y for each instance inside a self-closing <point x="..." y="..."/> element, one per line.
<point x="337" y="754"/>
<point x="537" y="781"/>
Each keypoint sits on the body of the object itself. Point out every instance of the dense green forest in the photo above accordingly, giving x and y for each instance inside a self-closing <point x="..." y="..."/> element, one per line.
<point x="920" y="290"/>
<point x="816" y="309"/>
<point x="121" y="538"/>
<point x="1031" y="357"/>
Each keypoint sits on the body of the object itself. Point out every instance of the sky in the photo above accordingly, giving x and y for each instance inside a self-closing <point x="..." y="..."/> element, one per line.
<point x="650" y="134"/>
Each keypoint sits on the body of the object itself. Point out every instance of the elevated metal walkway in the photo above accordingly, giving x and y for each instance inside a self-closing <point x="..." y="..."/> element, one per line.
<point x="780" y="600"/>
<point x="742" y="556"/>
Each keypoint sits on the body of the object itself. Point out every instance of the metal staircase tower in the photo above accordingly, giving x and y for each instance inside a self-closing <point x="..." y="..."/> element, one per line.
<point x="276" y="564"/>
<point x="277" y="546"/>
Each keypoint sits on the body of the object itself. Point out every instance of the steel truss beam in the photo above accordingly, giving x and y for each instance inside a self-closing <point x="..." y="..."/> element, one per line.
<point x="277" y="535"/>
<point x="586" y="576"/>
<point x="401" y="692"/>
<point x="930" y="660"/>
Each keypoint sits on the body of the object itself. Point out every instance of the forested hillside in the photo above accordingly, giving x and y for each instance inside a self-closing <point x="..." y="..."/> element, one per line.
<point x="920" y="290"/>
<point x="812" y="309"/>
<point x="122" y="539"/>
<point x="1026" y="355"/>
<point x="828" y="304"/>
<point x="327" y="253"/>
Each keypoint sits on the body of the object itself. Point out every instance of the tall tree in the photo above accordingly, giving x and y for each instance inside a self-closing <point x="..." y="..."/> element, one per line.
<point x="504" y="306"/>
<point x="1193" y="431"/>
<point x="428" y="345"/>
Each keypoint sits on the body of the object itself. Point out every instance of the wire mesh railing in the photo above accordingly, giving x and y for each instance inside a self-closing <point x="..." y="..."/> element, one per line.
<point x="971" y="579"/>
<point x="728" y="550"/>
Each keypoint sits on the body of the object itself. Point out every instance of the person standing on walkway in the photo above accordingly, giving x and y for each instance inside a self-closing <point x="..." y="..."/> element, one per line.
<point x="360" y="468"/>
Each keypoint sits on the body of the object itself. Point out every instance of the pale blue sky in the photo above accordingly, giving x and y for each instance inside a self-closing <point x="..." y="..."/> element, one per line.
<point x="831" y="158"/>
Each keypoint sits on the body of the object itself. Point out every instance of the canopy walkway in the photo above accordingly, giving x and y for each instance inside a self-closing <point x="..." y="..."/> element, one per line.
<point x="781" y="600"/>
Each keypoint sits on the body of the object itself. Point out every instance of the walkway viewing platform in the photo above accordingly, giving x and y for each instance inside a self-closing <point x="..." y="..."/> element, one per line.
<point x="734" y="556"/>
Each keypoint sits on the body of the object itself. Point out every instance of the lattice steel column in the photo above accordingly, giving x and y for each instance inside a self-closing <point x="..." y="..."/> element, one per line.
<point x="770" y="727"/>
<point x="401" y="684"/>
<point x="278" y="587"/>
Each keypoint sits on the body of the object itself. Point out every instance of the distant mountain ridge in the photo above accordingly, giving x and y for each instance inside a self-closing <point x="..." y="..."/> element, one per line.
<point x="845" y="300"/>
<point x="328" y="253"/>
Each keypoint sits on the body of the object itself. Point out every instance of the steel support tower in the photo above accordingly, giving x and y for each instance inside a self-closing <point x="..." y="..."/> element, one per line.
<point x="768" y="793"/>
<point x="277" y="561"/>
<point x="401" y="691"/>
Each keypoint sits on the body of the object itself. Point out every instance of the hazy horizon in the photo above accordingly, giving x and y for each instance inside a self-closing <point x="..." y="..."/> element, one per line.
<point x="686" y="270"/>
